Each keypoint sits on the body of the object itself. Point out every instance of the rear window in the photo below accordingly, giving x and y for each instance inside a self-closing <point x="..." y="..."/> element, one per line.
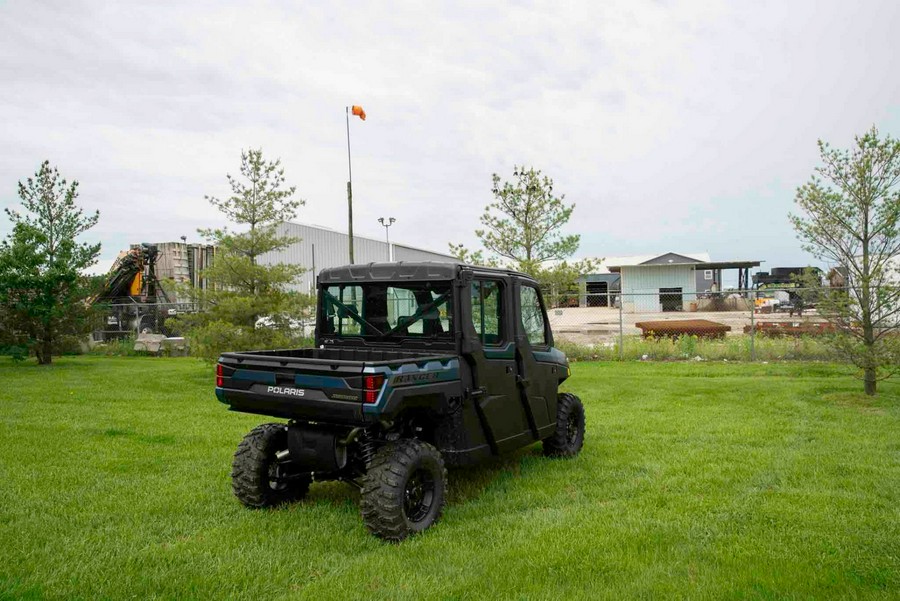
<point x="388" y="311"/>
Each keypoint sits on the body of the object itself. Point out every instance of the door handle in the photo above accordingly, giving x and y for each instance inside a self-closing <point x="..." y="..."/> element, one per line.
<point x="509" y="369"/>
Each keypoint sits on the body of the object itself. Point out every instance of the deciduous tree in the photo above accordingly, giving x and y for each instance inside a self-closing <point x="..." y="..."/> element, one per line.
<point x="849" y="216"/>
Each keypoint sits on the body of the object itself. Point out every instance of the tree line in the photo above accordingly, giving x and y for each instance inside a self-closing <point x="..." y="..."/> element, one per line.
<point x="45" y="298"/>
<point x="849" y="215"/>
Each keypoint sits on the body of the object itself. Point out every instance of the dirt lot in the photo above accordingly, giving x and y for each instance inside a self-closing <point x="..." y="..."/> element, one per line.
<point x="601" y="324"/>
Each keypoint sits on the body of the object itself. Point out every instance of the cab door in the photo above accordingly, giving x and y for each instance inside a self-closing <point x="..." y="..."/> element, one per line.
<point x="538" y="375"/>
<point x="493" y="359"/>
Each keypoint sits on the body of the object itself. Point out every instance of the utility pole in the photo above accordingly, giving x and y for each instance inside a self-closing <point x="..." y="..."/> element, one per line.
<point x="387" y="222"/>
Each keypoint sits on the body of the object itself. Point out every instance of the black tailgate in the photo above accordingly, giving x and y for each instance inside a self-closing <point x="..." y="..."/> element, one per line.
<point x="304" y="388"/>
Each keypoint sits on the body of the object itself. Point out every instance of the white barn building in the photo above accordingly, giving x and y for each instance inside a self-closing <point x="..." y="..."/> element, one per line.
<point x="672" y="281"/>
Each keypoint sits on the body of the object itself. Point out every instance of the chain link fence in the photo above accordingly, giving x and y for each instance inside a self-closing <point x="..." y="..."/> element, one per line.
<point x="671" y="324"/>
<point x="747" y="325"/>
<point x="127" y="320"/>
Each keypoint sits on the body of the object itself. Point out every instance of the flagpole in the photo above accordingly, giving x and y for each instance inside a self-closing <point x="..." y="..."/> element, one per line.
<point x="349" y="186"/>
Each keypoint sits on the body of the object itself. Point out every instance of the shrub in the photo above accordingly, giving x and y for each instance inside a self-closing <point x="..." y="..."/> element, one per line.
<point x="731" y="348"/>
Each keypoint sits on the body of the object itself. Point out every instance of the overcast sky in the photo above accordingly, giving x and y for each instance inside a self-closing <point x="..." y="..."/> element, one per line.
<point x="672" y="126"/>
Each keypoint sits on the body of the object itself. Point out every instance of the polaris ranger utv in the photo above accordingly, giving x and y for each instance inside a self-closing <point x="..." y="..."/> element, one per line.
<point x="416" y="366"/>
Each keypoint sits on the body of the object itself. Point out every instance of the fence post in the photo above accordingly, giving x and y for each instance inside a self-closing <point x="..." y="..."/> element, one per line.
<point x="752" y="328"/>
<point x="621" y="329"/>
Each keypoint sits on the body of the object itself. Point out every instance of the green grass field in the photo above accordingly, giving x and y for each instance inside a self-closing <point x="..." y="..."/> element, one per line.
<point x="697" y="480"/>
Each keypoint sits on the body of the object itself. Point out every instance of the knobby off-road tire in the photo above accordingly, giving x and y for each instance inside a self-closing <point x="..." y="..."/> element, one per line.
<point x="403" y="490"/>
<point x="255" y="467"/>
<point x="568" y="438"/>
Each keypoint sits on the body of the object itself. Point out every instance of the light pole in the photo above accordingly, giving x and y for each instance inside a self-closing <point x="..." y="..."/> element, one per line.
<point x="387" y="222"/>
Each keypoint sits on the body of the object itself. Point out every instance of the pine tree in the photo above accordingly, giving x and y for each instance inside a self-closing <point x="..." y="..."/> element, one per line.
<point x="43" y="293"/>
<point x="523" y="231"/>
<point x="249" y="305"/>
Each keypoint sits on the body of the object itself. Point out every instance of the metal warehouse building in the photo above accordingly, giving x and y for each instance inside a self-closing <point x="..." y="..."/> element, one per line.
<point x="321" y="247"/>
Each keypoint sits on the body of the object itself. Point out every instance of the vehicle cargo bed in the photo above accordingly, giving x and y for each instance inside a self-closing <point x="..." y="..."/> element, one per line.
<point x="330" y="380"/>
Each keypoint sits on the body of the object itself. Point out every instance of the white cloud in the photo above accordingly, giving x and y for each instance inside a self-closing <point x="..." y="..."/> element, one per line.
<point x="671" y="125"/>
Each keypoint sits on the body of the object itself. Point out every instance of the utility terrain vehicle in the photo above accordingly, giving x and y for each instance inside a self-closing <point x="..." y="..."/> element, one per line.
<point x="417" y="366"/>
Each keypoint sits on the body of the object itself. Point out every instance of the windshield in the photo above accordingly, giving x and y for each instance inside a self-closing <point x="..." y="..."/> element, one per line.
<point x="388" y="311"/>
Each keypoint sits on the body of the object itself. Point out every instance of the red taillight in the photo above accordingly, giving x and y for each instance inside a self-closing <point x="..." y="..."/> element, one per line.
<point x="371" y="387"/>
<point x="373" y="382"/>
<point x="219" y="379"/>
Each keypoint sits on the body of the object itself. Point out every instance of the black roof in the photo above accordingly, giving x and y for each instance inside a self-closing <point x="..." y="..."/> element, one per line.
<point x="407" y="270"/>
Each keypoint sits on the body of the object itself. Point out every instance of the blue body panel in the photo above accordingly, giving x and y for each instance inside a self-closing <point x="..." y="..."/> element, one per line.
<point x="311" y="381"/>
<point x="410" y="375"/>
<point x="554" y="355"/>
<point x="263" y="377"/>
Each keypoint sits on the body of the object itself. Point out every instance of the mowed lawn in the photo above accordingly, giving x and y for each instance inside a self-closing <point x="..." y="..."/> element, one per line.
<point x="696" y="480"/>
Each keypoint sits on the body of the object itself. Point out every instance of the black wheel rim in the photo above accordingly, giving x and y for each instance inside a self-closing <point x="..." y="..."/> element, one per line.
<point x="418" y="495"/>
<point x="572" y="429"/>
<point x="276" y="477"/>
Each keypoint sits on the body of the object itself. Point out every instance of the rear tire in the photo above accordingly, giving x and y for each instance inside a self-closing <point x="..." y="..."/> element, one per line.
<point x="256" y="473"/>
<point x="568" y="438"/>
<point x="403" y="490"/>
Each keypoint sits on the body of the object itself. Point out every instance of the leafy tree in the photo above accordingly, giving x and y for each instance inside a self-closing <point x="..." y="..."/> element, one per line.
<point x="522" y="230"/>
<point x="42" y="292"/>
<point x="850" y="216"/>
<point x="10" y="344"/>
<point x="249" y="305"/>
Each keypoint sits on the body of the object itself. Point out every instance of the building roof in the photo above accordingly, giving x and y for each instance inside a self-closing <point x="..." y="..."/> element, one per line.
<point x="736" y="264"/>
<point x="613" y="264"/>
<point x="690" y="263"/>
<point x="359" y="237"/>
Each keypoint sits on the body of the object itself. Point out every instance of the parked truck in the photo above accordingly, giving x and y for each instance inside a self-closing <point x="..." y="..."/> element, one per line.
<point x="417" y="366"/>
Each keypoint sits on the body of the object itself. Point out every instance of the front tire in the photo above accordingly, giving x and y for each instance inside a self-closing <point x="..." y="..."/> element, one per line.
<point x="568" y="438"/>
<point x="403" y="490"/>
<point x="258" y="479"/>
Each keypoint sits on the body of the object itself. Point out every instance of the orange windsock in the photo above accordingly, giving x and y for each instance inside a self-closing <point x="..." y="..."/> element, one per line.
<point x="358" y="111"/>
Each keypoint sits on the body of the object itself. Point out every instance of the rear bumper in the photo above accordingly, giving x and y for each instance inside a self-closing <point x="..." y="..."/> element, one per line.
<point x="306" y="409"/>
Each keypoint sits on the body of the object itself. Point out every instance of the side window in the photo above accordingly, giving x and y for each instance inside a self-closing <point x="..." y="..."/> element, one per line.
<point x="532" y="316"/>
<point x="487" y="311"/>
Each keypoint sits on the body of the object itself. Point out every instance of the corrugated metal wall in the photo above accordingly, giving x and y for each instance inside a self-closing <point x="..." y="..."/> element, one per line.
<point x="408" y="253"/>
<point x="641" y="284"/>
<point x="331" y="250"/>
